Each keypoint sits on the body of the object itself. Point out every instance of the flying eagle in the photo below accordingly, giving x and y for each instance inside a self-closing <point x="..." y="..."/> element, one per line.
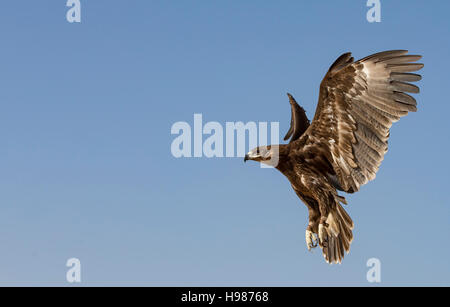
<point x="342" y="148"/>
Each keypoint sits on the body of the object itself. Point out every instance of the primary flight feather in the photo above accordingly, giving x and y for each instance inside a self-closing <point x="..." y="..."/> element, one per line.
<point x="342" y="148"/>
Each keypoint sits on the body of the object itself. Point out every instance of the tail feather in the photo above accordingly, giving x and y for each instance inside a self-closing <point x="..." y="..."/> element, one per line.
<point x="338" y="235"/>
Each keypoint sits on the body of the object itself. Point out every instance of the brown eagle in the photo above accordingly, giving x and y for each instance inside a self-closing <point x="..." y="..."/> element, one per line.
<point x="342" y="148"/>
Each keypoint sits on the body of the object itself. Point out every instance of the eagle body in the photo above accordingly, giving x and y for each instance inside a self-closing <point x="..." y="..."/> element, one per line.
<point x="314" y="181"/>
<point x="344" y="145"/>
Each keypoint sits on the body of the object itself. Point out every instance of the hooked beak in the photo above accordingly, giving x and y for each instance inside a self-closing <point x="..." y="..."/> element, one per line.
<point x="246" y="158"/>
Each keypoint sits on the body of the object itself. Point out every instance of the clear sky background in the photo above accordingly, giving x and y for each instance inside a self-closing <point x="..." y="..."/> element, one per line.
<point x="85" y="164"/>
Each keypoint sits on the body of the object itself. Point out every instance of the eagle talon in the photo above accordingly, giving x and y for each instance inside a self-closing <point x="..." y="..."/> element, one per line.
<point x="322" y="233"/>
<point x="311" y="239"/>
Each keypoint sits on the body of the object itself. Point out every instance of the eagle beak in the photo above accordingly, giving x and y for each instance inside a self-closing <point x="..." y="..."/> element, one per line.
<point x="246" y="158"/>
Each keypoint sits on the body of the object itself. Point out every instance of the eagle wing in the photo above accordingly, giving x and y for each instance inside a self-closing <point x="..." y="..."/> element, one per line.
<point x="358" y="102"/>
<point x="299" y="121"/>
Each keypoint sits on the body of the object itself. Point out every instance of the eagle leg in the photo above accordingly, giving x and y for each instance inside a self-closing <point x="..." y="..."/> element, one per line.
<point x="311" y="239"/>
<point x="323" y="234"/>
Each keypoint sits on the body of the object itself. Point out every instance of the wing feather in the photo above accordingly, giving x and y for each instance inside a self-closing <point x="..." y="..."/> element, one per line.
<point x="299" y="121"/>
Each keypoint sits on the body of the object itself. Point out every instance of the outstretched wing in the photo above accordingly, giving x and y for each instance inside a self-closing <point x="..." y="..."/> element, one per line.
<point x="358" y="103"/>
<point x="299" y="121"/>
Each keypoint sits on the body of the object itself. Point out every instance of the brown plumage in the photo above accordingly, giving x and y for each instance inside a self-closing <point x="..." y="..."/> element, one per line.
<point x="342" y="148"/>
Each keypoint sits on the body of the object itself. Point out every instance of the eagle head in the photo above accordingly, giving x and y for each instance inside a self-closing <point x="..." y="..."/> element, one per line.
<point x="262" y="154"/>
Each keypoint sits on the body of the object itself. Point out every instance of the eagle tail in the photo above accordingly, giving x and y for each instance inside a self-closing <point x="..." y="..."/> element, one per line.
<point x="337" y="236"/>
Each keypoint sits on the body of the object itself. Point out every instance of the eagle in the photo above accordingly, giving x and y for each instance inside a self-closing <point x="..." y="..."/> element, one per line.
<point x="341" y="149"/>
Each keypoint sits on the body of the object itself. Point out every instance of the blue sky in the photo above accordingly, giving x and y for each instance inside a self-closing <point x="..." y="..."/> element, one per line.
<point x="85" y="164"/>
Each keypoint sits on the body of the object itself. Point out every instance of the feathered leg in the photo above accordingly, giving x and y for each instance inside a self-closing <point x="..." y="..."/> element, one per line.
<point x="324" y="210"/>
<point x="311" y="237"/>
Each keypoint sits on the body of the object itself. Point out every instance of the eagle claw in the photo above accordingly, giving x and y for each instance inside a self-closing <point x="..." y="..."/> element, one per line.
<point x="311" y="239"/>
<point x="323" y="235"/>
